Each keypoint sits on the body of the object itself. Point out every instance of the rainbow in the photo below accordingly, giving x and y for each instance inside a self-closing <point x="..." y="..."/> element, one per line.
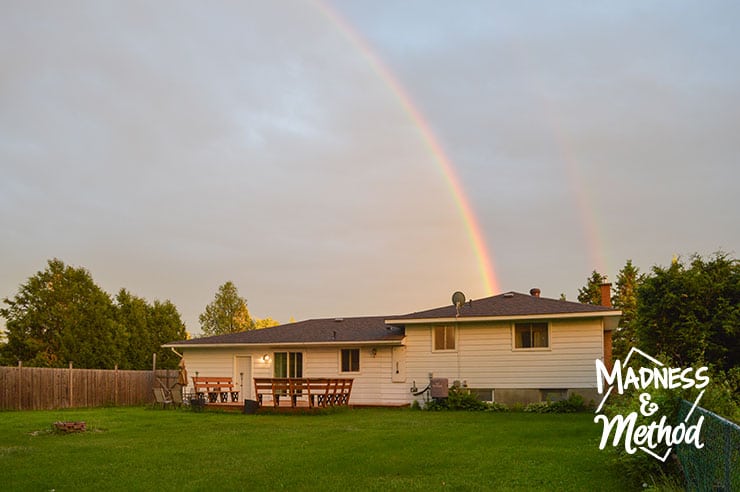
<point x="472" y="227"/>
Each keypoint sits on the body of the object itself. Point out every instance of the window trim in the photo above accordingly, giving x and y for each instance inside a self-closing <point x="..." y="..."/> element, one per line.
<point x="359" y="361"/>
<point x="297" y="368"/>
<point x="454" y="338"/>
<point x="546" y="348"/>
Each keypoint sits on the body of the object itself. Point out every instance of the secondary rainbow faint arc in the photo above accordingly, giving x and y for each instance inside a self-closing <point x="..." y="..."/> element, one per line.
<point x="490" y="281"/>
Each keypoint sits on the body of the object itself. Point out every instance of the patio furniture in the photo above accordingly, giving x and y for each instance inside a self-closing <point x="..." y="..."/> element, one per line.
<point x="318" y="392"/>
<point x="161" y="399"/>
<point x="217" y="388"/>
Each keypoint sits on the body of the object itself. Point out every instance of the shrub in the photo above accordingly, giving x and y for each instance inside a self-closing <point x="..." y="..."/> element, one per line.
<point x="538" y="407"/>
<point x="573" y="404"/>
<point x="496" y="407"/>
<point x="462" y="399"/>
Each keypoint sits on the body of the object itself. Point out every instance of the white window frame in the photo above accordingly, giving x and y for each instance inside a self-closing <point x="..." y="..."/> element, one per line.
<point x="359" y="361"/>
<point x="454" y="338"/>
<point x="546" y="348"/>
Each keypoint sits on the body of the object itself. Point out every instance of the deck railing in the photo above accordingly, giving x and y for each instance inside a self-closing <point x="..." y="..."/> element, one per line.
<point x="310" y="392"/>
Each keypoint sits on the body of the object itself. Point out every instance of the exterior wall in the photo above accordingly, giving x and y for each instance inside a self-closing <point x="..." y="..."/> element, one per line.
<point x="372" y="385"/>
<point x="485" y="358"/>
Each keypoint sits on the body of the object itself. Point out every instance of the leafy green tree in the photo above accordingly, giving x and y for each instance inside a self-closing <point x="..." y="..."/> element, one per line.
<point x="591" y="292"/>
<point x="146" y="327"/>
<point x="227" y="313"/>
<point x="691" y="312"/>
<point x="132" y="315"/>
<point x="625" y="299"/>
<point x="59" y="316"/>
<point x="165" y="325"/>
<point x="264" y="323"/>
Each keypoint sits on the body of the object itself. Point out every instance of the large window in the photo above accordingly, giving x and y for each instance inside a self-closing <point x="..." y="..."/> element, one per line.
<point x="288" y="365"/>
<point x="351" y="360"/>
<point x="444" y="338"/>
<point x="531" y="335"/>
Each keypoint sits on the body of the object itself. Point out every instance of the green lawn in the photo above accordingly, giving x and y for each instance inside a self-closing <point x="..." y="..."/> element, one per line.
<point x="371" y="449"/>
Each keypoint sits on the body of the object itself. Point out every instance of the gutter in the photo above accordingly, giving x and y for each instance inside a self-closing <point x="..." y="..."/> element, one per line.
<point x="347" y="343"/>
<point x="478" y="319"/>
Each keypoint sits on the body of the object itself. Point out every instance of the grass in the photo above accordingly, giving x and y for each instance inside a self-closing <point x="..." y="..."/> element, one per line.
<point x="369" y="449"/>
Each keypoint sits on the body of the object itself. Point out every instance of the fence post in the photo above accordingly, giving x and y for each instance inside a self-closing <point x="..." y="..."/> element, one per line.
<point x="71" y="393"/>
<point x="19" y="386"/>
<point x="115" y="386"/>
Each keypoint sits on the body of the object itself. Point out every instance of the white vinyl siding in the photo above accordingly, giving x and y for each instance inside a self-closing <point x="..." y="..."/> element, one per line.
<point x="485" y="357"/>
<point x="372" y="386"/>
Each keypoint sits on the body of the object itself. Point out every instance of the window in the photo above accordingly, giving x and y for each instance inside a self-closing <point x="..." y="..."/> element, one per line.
<point x="444" y="338"/>
<point x="351" y="360"/>
<point x="531" y="335"/>
<point x="288" y="365"/>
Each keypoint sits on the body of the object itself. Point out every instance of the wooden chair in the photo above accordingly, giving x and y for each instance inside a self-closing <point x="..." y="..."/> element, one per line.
<point x="161" y="399"/>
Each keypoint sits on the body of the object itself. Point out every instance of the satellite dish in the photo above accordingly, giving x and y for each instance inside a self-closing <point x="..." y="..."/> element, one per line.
<point x="458" y="298"/>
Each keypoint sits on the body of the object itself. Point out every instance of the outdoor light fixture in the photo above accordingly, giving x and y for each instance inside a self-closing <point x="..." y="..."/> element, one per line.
<point x="374" y="352"/>
<point x="266" y="358"/>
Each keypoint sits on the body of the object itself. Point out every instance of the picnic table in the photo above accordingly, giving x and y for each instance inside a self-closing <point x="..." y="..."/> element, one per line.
<point x="215" y="389"/>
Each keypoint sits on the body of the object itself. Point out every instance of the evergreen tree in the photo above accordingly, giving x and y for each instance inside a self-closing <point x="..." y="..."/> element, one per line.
<point x="625" y="299"/>
<point x="147" y="327"/>
<point x="691" y="313"/>
<point x="591" y="292"/>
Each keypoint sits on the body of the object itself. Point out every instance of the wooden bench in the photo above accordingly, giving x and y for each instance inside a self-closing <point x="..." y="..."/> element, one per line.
<point x="318" y="392"/>
<point x="216" y="388"/>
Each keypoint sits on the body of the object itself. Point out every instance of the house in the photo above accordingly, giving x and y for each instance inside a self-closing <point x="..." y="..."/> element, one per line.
<point x="508" y="348"/>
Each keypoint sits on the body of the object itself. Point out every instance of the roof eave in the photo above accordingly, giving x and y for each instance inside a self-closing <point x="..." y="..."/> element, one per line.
<point x="343" y="343"/>
<point x="478" y="319"/>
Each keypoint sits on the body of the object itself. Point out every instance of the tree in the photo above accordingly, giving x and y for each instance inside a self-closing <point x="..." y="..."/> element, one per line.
<point x="59" y="316"/>
<point x="132" y="315"/>
<point x="227" y="313"/>
<point x="165" y="325"/>
<point x="265" y="323"/>
<point x="625" y="299"/>
<point x="691" y="313"/>
<point x="591" y="292"/>
<point x="146" y="327"/>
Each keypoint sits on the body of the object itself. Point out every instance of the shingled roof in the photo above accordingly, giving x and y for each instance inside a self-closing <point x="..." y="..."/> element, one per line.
<point x="329" y="330"/>
<point x="389" y="329"/>
<point x="507" y="304"/>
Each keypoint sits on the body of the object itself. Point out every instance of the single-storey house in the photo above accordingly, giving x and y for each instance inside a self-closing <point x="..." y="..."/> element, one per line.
<point x="511" y="347"/>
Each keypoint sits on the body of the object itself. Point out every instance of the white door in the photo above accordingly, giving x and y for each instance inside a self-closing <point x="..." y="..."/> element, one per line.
<point x="398" y="361"/>
<point x="243" y="376"/>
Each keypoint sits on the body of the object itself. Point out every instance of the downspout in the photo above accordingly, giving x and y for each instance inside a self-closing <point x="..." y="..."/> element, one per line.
<point x="176" y="352"/>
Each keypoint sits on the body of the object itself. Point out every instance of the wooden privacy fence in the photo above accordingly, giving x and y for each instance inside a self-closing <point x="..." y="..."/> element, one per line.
<point x="41" y="388"/>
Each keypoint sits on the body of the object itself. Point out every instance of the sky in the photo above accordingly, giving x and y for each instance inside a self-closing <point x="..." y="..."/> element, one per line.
<point x="362" y="157"/>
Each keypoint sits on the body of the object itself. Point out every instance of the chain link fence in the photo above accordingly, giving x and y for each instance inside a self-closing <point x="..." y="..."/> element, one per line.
<point x="716" y="466"/>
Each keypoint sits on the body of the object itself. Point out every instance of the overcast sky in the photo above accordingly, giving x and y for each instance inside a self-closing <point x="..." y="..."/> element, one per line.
<point x="168" y="147"/>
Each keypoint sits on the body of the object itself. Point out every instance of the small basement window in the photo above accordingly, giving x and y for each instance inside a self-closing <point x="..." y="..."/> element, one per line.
<point x="531" y="335"/>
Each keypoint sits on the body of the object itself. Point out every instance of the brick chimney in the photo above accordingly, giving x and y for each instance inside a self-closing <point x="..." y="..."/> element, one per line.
<point x="606" y="301"/>
<point x="535" y="292"/>
<point x="606" y="294"/>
